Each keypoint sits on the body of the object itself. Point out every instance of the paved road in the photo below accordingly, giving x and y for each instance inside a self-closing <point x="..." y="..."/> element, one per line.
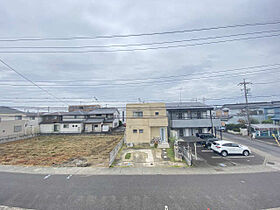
<point x="237" y="191"/>
<point x="264" y="147"/>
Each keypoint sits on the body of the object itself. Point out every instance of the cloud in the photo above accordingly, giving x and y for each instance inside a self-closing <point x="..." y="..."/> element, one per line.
<point x="91" y="18"/>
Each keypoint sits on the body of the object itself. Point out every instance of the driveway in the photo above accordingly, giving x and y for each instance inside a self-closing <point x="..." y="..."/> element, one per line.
<point x="255" y="144"/>
<point x="209" y="158"/>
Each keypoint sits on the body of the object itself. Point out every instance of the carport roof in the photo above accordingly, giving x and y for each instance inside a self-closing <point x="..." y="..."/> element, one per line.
<point x="191" y="139"/>
<point x="265" y="126"/>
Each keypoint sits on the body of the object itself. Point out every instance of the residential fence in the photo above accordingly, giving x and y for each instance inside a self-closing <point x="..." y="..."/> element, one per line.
<point x="114" y="152"/>
<point x="16" y="137"/>
<point x="187" y="155"/>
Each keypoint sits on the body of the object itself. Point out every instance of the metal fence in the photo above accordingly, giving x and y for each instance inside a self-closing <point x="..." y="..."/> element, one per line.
<point x="115" y="151"/>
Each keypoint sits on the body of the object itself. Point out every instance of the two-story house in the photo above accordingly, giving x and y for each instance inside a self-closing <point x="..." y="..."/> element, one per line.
<point x="15" y="123"/>
<point x="62" y="122"/>
<point x="97" y="120"/>
<point x="191" y="118"/>
<point x="146" y="122"/>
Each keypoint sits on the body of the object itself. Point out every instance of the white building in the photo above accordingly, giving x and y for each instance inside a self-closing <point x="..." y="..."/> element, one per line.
<point x="98" y="120"/>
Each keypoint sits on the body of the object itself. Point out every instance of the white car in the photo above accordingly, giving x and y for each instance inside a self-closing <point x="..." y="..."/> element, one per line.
<point x="226" y="147"/>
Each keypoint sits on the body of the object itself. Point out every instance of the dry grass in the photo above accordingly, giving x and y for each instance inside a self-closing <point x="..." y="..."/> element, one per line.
<point x="59" y="150"/>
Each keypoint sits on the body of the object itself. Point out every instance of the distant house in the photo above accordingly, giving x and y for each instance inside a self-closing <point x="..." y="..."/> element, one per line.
<point x="265" y="130"/>
<point x="97" y="120"/>
<point x="191" y="118"/>
<point x="15" y="123"/>
<point x="85" y="108"/>
<point x="146" y="122"/>
<point x="260" y="111"/>
<point x="102" y="120"/>
<point x="62" y="122"/>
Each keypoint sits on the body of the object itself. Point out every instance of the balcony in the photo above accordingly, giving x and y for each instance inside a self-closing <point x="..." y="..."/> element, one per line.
<point x="195" y="123"/>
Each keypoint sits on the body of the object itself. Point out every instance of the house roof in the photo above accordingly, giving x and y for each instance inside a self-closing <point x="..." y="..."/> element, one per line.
<point x="103" y="111"/>
<point x="9" y="110"/>
<point x="271" y="104"/>
<point x="94" y="121"/>
<point x="79" y="112"/>
<point x="187" y="105"/>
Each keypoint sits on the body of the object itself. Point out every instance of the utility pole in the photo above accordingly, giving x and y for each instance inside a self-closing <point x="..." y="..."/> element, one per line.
<point x="180" y="96"/>
<point x="246" y="91"/>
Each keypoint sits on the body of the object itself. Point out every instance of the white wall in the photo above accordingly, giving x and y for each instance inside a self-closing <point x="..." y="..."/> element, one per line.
<point x="72" y="128"/>
<point x="46" y="128"/>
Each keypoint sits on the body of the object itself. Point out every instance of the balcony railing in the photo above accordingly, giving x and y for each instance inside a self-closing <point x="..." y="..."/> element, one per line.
<point x="195" y="123"/>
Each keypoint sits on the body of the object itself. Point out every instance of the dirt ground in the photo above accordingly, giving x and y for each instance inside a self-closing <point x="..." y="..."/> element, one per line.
<point x="60" y="150"/>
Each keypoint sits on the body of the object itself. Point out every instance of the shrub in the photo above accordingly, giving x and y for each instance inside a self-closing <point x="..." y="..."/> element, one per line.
<point x="128" y="155"/>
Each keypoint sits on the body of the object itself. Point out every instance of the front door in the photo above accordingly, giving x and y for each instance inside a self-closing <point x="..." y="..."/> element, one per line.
<point x="56" y="128"/>
<point x="162" y="135"/>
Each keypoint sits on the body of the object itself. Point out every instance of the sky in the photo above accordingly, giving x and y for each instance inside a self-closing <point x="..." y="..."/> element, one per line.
<point x="197" y="72"/>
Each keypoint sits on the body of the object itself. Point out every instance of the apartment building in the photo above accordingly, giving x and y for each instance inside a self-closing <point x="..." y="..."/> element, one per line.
<point x="146" y="122"/>
<point x="191" y="118"/>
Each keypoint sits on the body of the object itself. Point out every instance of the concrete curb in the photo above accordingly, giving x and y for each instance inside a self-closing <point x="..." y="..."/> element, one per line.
<point x="135" y="171"/>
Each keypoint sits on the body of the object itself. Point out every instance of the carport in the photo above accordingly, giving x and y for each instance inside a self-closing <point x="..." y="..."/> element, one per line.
<point x="186" y="145"/>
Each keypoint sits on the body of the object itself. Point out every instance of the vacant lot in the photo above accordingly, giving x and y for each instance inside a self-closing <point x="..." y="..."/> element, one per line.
<point x="59" y="150"/>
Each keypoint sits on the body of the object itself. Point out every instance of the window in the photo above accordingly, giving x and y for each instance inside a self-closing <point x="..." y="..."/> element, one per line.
<point x="98" y="115"/>
<point x="17" y="128"/>
<point x="32" y="118"/>
<point x="227" y="145"/>
<point x="134" y="130"/>
<point x="18" y="117"/>
<point x="156" y="113"/>
<point x="65" y="126"/>
<point x="138" y="114"/>
<point x="141" y="131"/>
<point x="234" y="145"/>
<point x="96" y="126"/>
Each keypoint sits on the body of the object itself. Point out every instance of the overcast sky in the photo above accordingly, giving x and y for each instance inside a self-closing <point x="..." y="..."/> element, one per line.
<point x="88" y="75"/>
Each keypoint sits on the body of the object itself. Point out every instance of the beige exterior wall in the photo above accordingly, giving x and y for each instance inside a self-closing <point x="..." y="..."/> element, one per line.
<point x="154" y="118"/>
<point x="7" y="128"/>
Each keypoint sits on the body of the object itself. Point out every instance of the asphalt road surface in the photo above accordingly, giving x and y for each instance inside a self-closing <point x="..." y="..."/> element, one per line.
<point x="262" y="146"/>
<point x="236" y="191"/>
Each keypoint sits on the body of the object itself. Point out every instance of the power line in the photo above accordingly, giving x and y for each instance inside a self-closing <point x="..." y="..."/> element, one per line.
<point x="135" y="44"/>
<point x="130" y="101"/>
<point x="151" y="83"/>
<point x="155" y="78"/>
<point x="29" y="80"/>
<point x="136" y="35"/>
<point x="139" y="49"/>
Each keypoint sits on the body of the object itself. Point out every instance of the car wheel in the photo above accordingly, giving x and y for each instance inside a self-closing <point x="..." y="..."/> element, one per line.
<point x="246" y="153"/>
<point x="224" y="153"/>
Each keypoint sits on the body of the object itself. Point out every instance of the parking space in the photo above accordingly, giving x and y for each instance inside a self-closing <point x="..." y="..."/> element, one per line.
<point x="211" y="158"/>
